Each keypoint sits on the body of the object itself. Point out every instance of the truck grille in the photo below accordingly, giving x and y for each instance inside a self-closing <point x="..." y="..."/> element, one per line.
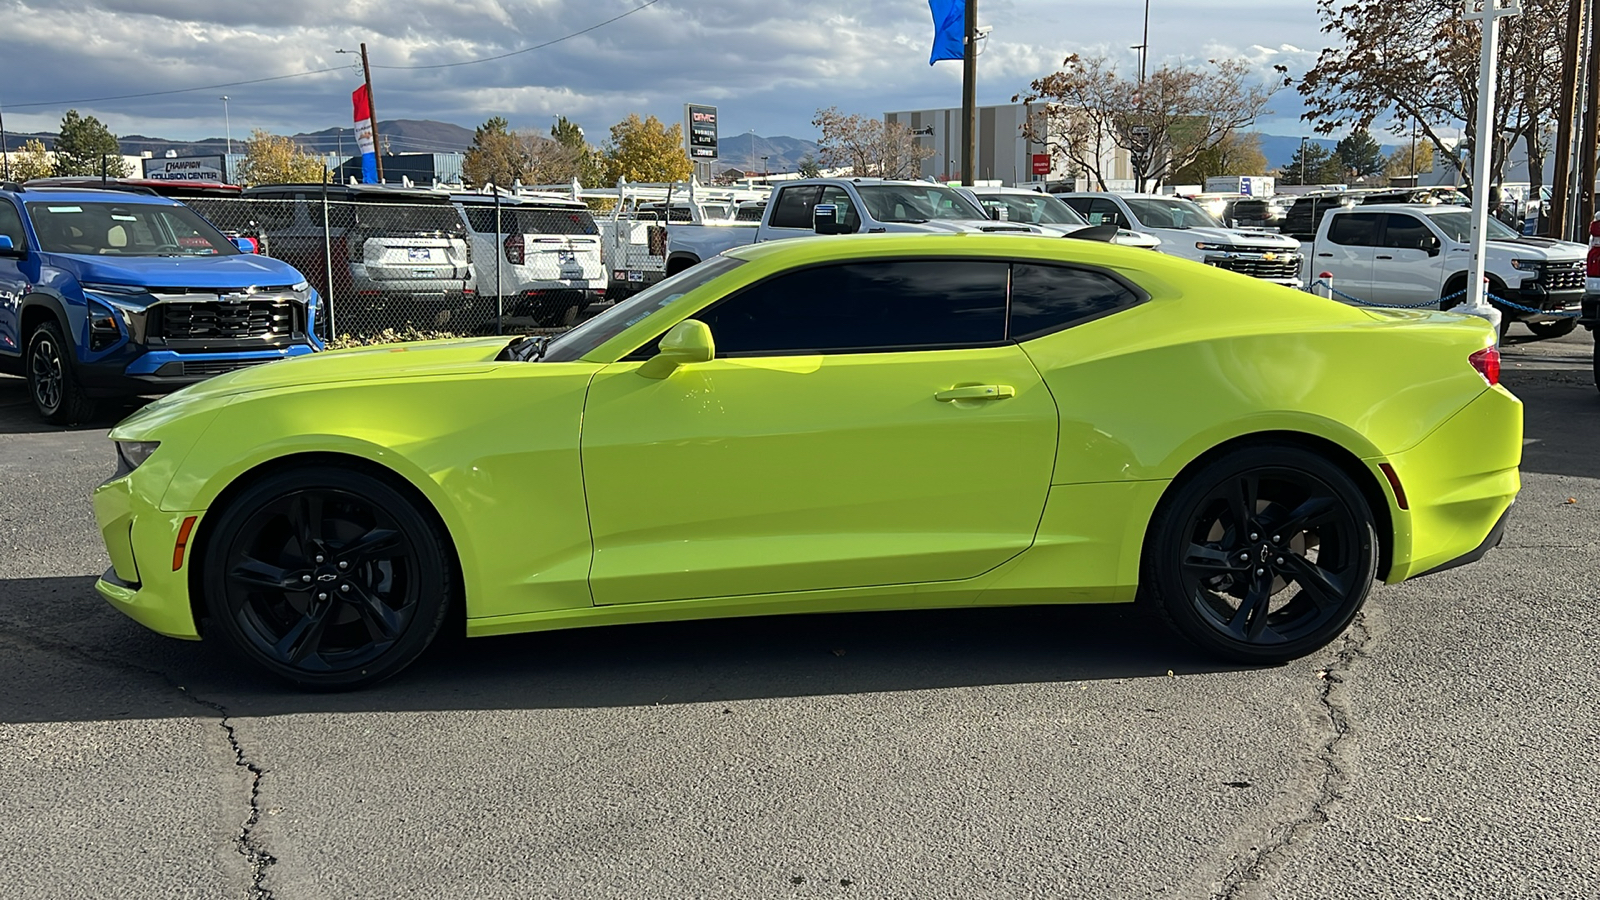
<point x="210" y="367"/>
<point x="1563" y="276"/>
<point x="1285" y="266"/>
<point x="228" y="320"/>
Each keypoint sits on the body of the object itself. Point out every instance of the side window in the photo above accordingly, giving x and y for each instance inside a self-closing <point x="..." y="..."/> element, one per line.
<point x="1050" y="298"/>
<point x="862" y="307"/>
<point x="11" y="226"/>
<point x="847" y="214"/>
<point x="794" y="206"/>
<point x="1406" y="232"/>
<point x="1105" y="212"/>
<point x="1354" y="230"/>
<point x="1080" y="205"/>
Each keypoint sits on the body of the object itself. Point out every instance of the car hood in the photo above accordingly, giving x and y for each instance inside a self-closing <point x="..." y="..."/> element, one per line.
<point x="240" y="271"/>
<point x="1545" y="248"/>
<point x="1232" y="236"/>
<point x="1125" y="237"/>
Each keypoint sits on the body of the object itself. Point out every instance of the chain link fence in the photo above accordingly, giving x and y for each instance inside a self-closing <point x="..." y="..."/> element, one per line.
<point x="388" y="270"/>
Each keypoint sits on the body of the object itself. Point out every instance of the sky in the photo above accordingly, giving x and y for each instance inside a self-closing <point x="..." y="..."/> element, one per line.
<point x="767" y="65"/>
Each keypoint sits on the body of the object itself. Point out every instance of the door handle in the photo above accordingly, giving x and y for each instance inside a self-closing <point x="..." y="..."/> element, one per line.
<point x="1324" y="254"/>
<point x="1383" y="257"/>
<point x="977" y="392"/>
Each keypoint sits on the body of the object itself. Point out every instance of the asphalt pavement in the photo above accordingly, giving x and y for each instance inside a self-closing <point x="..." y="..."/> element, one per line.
<point x="1445" y="747"/>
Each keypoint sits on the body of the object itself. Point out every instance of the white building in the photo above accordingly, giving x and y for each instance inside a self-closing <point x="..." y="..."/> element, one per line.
<point x="1004" y="153"/>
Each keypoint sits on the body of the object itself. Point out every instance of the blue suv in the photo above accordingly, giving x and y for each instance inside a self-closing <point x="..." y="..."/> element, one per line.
<point x="105" y="293"/>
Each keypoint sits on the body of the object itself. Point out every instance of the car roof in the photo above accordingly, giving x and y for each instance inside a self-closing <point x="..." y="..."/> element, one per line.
<point x="153" y="184"/>
<point x="90" y="195"/>
<point x="1008" y="245"/>
<point x="1001" y="189"/>
<point x="354" y="190"/>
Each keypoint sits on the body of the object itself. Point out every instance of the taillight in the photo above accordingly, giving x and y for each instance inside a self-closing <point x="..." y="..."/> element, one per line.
<point x="1594" y="228"/>
<point x="1487" y="362"/>
<point x="1594" y="261"/>
<point x="514" y="253"/>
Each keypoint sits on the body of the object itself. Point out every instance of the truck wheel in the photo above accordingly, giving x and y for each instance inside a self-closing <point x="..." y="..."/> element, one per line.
<point x="1547" y="330"/>
<point x="1455" y="286"/>
<point x="57" y="396"/>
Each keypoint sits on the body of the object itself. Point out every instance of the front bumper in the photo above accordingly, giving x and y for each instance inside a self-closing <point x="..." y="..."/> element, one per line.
<point x="143" y="581"/>
<point x="161" y="371"/>
<point x="1552" y="305"/>
<point x="1459" y="483"/>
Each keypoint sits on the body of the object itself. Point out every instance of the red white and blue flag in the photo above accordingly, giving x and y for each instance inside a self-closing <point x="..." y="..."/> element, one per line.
<point x="369" y="149"/>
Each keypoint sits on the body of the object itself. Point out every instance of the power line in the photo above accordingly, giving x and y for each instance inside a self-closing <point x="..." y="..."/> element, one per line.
<point x="469" y="62"/>
<point x="204" y="87"/>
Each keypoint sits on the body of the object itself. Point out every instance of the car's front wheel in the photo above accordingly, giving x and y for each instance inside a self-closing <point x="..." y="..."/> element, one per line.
<point x="1262" y="556"/>
<point x="52" y="384"/>
<point x="327" y="576"/>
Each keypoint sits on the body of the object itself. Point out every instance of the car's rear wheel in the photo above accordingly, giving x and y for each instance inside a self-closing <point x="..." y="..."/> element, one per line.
<point x="52" y="385"/>
<point x="327" y="576"/>
<point x="1264" y="555"/>
<point x="1548" y="330"/>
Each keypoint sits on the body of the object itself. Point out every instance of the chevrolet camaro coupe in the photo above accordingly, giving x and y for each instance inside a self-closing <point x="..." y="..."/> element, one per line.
<point x="836" y="424"/>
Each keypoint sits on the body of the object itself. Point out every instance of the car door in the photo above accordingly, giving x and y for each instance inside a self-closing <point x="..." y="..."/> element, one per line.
<point x="13" y="284"/>
<point x="862" y="424"/>
<point x="1347" y="254"/>
<point x="791" y="212"/>
<point x="1407" y="267"/>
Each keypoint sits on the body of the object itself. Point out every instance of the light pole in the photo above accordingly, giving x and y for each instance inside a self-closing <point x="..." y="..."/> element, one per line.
<point x="1489" y="13"/>
<point x="763" y="168"/>
<point x="227" y="123"/>
<point x="1144" y="47"/>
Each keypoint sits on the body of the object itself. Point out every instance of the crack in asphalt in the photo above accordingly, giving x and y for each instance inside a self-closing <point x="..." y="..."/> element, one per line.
<point x="1332" y="781"/>
<point x="258" y="859"/>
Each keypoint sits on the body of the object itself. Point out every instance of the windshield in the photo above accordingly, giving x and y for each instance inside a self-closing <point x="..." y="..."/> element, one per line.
<point x="591" y="334"/>
<point x="125" y="229"/>
<point x="1155" y="212"/>
<point x="916" y="203"/>
<point x="1035" y="209"/>
<point x="1458" y="227"/>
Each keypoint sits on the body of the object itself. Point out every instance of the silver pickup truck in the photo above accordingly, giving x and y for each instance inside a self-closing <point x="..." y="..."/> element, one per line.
<point x="838" y="206"/>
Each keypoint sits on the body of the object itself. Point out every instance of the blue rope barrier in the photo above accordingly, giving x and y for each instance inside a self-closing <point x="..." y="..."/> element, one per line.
<point x="1437" y="304"/>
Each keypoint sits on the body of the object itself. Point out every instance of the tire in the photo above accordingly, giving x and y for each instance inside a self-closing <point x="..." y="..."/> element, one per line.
<point x="1545" y="331"/>
<point x="52" y="385"/>
<point x="1455" y="287"/>
<point x="1264" y="555"/>
<point x="326" y="576"/>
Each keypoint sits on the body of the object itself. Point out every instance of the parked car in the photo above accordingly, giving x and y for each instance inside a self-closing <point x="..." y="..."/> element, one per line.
<point x="543" y="253"/>
<point x="1409" y="254"/>
<point x="221" y="204"/>
<point x="398" y="255"/>
<point x="107" y="293"/>
<point x="1188" y="231"/>
<point x="889" y="422"/>
<point x="1047" y="213"/>
<point x="1255" y="212"/>
<point x="816" y="206"/>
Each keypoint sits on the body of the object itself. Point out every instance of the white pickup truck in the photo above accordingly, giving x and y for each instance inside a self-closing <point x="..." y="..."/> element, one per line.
<point x="1409" y="254"/>
<point x="837" y="206"/>
<point x="1188" y="231"/>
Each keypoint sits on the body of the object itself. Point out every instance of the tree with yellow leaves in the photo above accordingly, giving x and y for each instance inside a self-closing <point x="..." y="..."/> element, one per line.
<point x="32" y="161"/>
<point x="645" y="150"/>
<point x="274" y="159"/>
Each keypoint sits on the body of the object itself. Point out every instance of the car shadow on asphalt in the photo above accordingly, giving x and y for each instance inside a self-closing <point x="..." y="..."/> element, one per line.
<point x="17" y="415"/>
<point x="1561" y="422"/>
<point x="70" y="657"/>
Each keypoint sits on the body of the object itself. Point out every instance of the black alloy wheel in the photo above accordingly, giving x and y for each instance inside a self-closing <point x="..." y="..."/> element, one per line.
<point x="1263" y="556"/>
<point x="327" y="576"/>
<point x="52" y="385"/>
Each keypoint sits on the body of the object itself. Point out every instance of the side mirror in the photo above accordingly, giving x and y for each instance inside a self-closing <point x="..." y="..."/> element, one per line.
<point x="1000" y="214"/>
<point x="825" y="219"/>
<point x="687" y="342"/>
<point x="7" y="248"/>
<point x="1431" y="245"/>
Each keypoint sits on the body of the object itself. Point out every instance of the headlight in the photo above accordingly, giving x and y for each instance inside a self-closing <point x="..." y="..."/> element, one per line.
<point x="1527" y="265"/>
<point x="1202" y="245"/>
<point x="302" y="287"/>
<point x="132" y="454"/>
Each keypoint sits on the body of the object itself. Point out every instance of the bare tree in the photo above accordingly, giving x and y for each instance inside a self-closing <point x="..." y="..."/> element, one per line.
<point x="868" y="146"/>
<point x="1417" y="60"/>
<point x="1165" y="123"/>
<point x="548" y="161"/>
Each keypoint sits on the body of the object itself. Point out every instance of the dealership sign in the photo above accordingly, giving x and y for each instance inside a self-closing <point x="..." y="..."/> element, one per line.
<point x="187" y="168"/>
<point x="1041" y="164"/>
<point x="700" y="130"/>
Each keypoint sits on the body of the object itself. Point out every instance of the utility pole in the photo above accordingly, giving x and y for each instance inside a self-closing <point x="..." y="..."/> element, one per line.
<point x="969" y="96"/>
<point x="1488" y="12"/>
<point x="372" y="109"/>
<point x="1589" y="148"/>
<point x="1566" y="114"/>
<point x="5" y="147"/>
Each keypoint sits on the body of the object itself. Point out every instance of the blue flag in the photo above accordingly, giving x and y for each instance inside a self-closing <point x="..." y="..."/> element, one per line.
<point x="949" y="29"/>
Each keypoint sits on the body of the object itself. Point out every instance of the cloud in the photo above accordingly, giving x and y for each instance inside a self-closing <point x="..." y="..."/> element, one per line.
<point x="768" y="66"/>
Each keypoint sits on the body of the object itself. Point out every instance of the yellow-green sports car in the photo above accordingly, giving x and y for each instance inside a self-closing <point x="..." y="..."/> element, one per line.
<point x="834" y="424"/>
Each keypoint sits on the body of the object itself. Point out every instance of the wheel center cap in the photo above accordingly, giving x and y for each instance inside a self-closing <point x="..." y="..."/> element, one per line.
<point x="1265" y="553"/>
<point x="327" y="577"/>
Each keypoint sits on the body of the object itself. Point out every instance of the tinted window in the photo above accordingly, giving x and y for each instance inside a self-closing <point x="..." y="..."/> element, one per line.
<point x="1104" y="212"/>
<point x="11" y="226"/>
<point x="1049" y="298"/>
<point x="794" y="207"/>
<point x="864" y="306"/>
<point x="1354" y="230"/>
<point x="114" y="229"/>
<point x="845" y="213"/>
<point x="1407" y="232"/>
<point x="591" y="334"/>
<point x="1080" y="205"/>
